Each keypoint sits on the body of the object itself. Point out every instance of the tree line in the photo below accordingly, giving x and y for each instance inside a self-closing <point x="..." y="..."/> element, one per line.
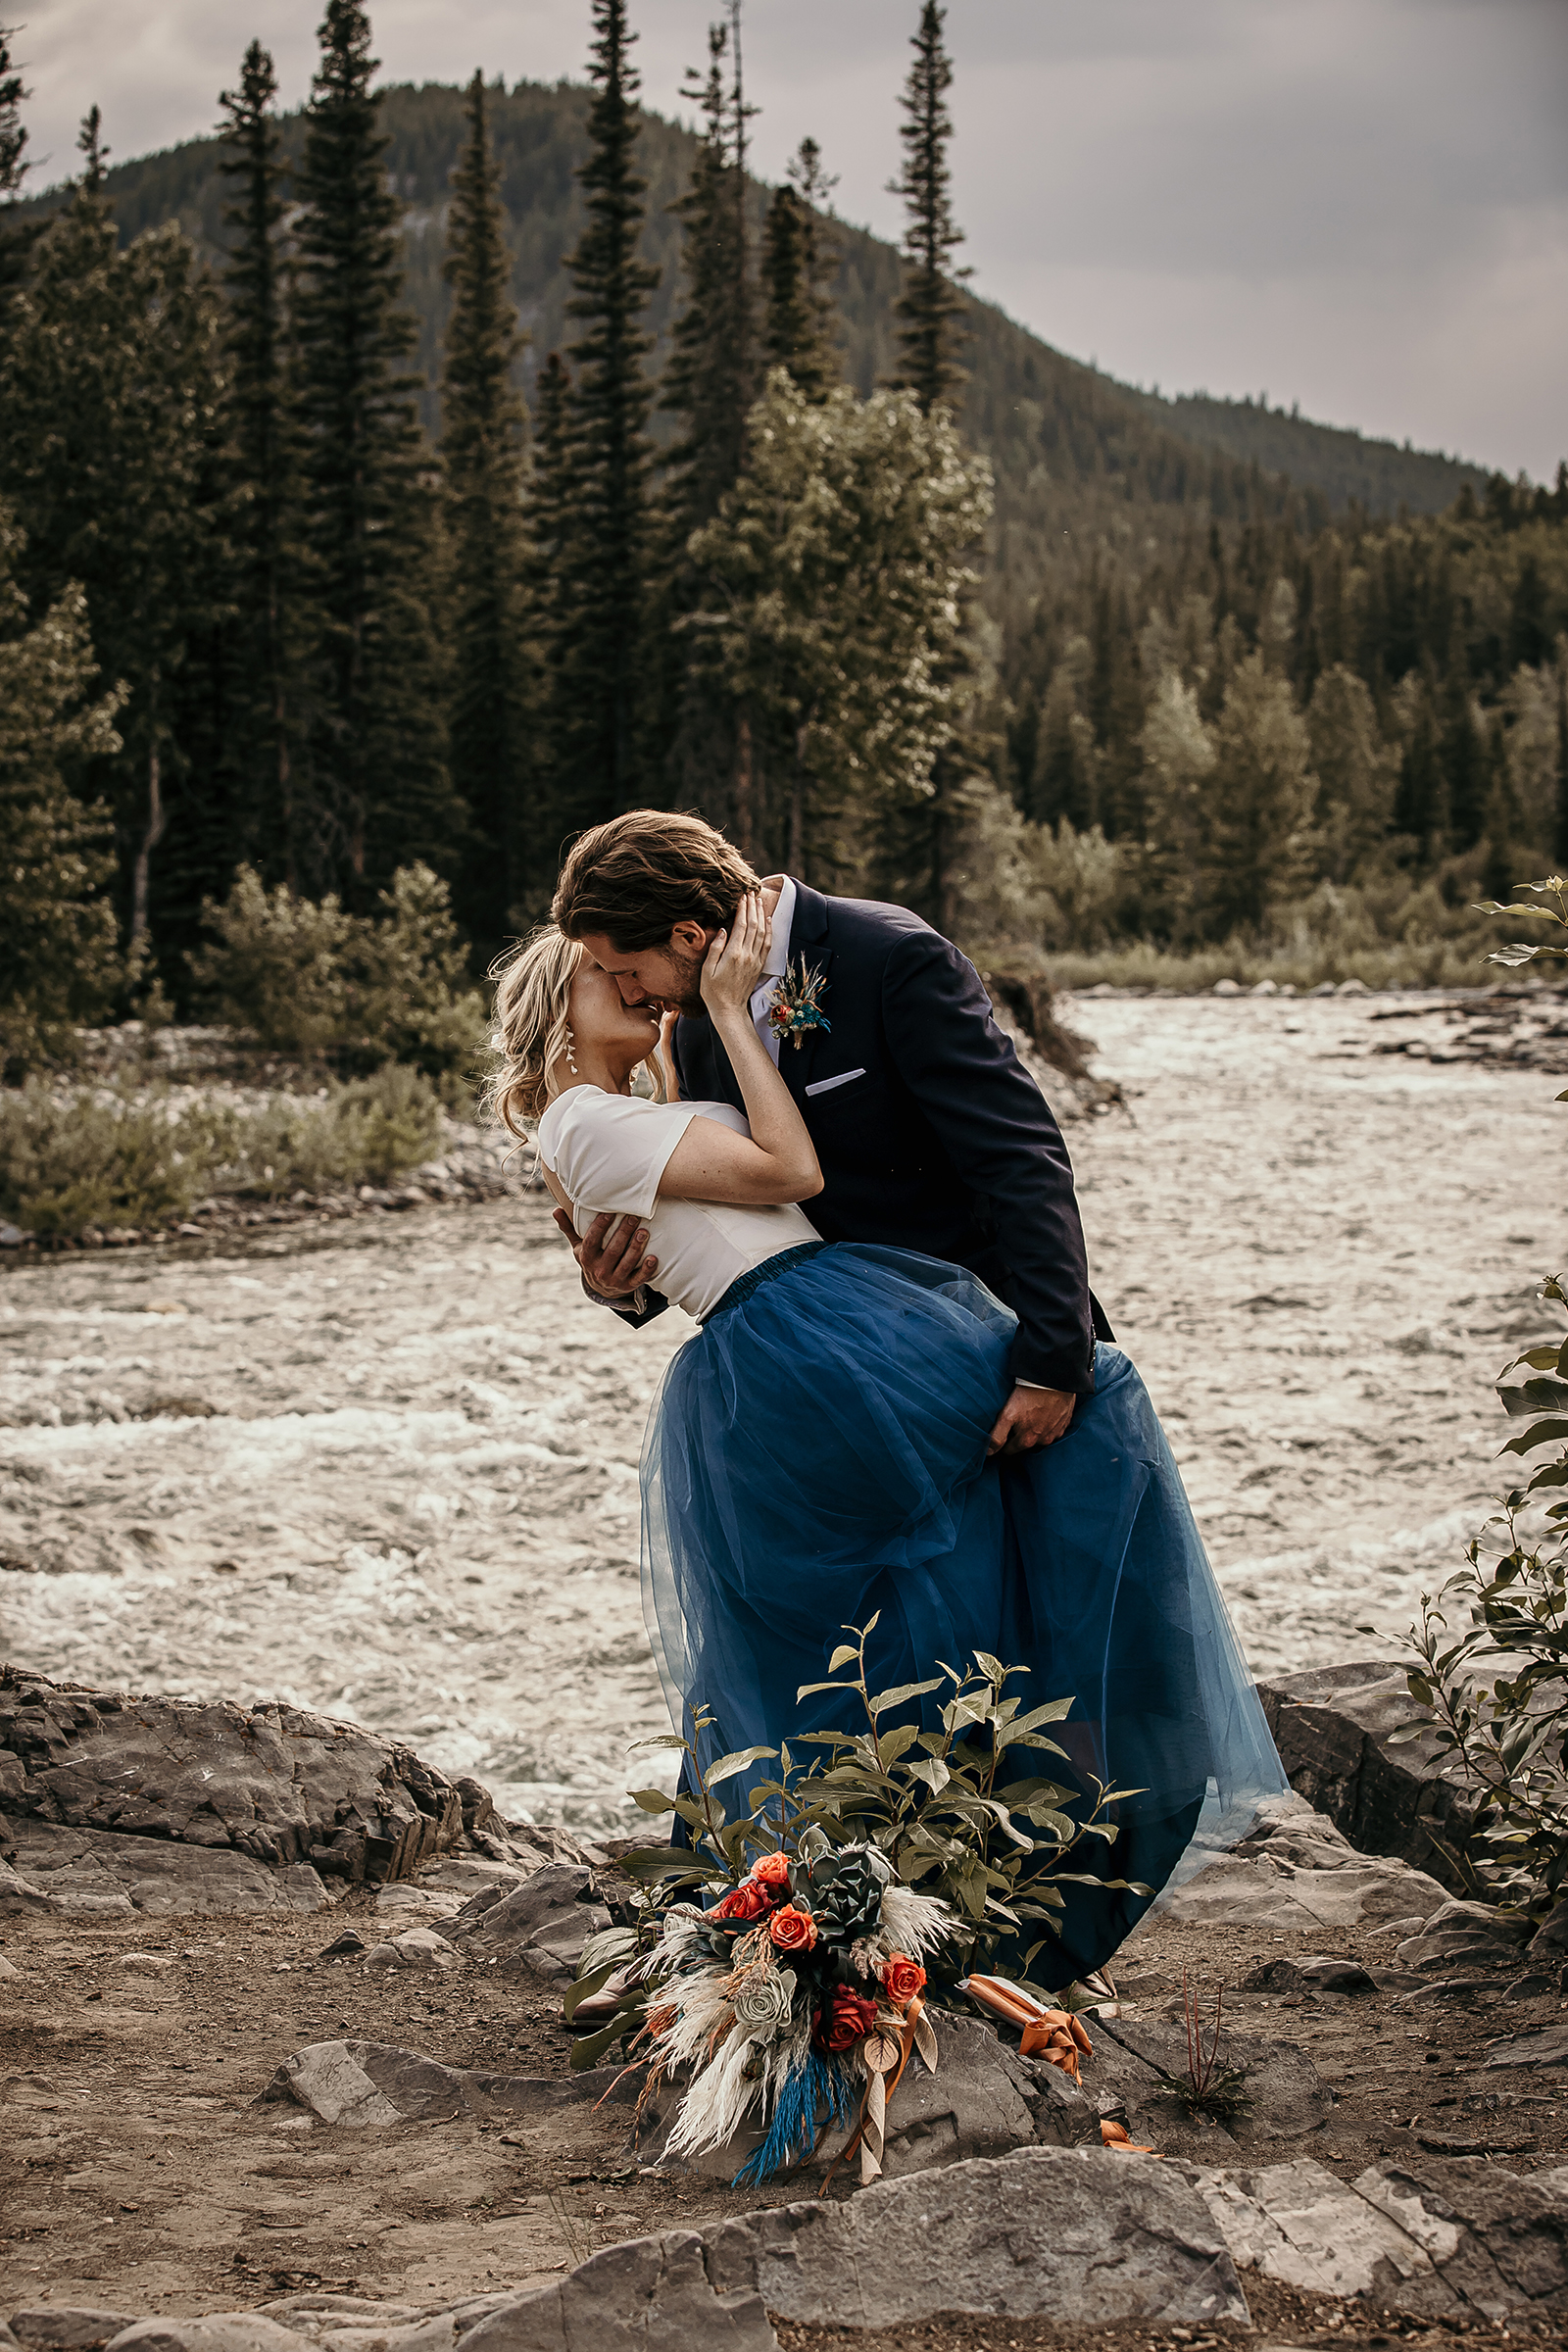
<point x="273" y="625"/>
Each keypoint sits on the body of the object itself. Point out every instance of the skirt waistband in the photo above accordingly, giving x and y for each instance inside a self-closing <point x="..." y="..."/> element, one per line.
<point x="768" y="1271"/>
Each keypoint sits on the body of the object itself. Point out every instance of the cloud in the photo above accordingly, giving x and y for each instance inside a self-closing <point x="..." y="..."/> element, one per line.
<point x="1360" y="204"/>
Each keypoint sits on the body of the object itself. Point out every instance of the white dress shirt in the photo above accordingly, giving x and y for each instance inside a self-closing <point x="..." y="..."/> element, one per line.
<point x="773" y="970"/>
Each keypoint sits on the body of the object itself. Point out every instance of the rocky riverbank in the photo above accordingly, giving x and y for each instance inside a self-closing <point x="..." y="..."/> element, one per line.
<point x="346" y="2113"/>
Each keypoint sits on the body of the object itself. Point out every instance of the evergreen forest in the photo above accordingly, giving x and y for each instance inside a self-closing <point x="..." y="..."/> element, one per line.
<point x="390" y="489"/>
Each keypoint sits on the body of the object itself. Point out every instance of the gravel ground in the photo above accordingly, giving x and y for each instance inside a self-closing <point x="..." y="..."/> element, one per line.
<point x="387" y="1467"/>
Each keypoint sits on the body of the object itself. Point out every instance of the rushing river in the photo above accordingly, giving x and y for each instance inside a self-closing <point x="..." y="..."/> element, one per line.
<point x="389" y="1469"/>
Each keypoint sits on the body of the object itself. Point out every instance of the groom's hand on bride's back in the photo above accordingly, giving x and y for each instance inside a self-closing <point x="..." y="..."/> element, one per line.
<point x="1032" y="1417"/>
<point x="611" y="1254"/>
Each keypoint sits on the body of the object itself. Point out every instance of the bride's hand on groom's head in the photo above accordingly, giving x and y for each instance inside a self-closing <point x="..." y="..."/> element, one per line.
<point x="736" y="957"/>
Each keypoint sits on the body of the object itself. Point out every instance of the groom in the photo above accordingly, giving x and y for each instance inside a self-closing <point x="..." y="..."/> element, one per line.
<point x="930" y="1133"/>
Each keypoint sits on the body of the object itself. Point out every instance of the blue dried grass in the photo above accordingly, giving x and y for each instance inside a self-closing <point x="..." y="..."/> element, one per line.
<point x="821" y="2084"/>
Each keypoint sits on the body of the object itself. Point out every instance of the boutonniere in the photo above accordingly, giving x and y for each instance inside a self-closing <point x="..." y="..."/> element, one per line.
<point x="798" y="1004"/>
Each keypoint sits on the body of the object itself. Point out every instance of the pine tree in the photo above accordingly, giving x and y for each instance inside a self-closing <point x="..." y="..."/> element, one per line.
<point x="380" y="793"/>
<point x="58" y="964"/>
<point x="549" y="536"/>
<point x="931" y="307"/>
<point x="264" y="442"/>
<point x="16" y="237"/>
<point x="1559" y="845"/>
<point x="110" y="387"/>
<point x="800" y="261"/>
<point x="483" y="424"/>
<point x="607" y="561"/>
<point x="709" y="380"/>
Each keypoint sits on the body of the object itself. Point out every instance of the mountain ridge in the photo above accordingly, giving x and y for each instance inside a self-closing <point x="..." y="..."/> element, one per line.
<point x="1027" y="405"/>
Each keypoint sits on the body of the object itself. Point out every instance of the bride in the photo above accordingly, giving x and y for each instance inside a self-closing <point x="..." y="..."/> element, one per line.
<point x="818" y="1452"/>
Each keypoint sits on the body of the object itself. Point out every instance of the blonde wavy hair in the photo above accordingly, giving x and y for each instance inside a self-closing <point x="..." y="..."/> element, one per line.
<point x="533" y="987"/>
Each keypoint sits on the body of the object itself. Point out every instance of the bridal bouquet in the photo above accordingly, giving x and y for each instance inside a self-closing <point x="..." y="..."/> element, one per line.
<point x="795" y="2002"/>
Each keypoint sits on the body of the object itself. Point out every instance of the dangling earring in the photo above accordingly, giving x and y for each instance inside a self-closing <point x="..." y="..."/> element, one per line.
<point x="572" y="1054"/>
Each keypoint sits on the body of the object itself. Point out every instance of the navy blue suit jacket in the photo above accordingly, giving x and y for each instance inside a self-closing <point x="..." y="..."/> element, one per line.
<point x="939" y="1141"/>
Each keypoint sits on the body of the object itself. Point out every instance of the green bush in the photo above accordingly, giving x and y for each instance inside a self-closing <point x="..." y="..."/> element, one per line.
<point x="70" y="1160"/>
<point x="308" y="978"/>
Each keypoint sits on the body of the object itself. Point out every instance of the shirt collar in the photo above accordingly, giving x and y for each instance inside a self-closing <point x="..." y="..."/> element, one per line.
<point x="779" y="948"/>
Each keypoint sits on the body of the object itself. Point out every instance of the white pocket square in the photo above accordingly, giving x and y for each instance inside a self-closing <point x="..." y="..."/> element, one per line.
<point x="825" y="1085"/>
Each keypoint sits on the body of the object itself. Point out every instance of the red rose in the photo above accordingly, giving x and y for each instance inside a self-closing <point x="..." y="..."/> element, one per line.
<point x="742" y="1902"/>
<point x="793" y="1930"/>
<point x="902" y="1978"/>
<point x="774" y="1870"/>
<point x="848" y="2018"/>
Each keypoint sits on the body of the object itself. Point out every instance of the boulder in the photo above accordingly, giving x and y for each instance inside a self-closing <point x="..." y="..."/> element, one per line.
<point x="1080" y="2234"/>
<point x="66" y="2327"/>
<point x="1432" y="2237"/>
<point x="20" y="1898"/>
<point x="983" y="2100"/>
<point x="541" y="1927"/>
<point x="1318" y="1973"/>
<point x="1330" y="1726"/>
<point x="1295" y="1870"/>
<point x="1470" y="1937"/>
<point x="415" y="1947"/>
<point x="218" y="2332"/>
<point x="203" y="1804"/>
<point x="365" y="2084"/>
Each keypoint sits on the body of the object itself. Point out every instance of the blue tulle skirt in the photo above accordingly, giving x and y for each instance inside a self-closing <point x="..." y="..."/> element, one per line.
<point x="817" y="1453"/>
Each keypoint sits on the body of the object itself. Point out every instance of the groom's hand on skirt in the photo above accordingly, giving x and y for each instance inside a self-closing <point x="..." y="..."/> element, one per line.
<point x="611" y="1254"/>
<point x="1032" y="1417"/>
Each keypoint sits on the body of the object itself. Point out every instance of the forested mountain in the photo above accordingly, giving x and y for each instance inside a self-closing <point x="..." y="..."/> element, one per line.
<point x="1028" y="407"/>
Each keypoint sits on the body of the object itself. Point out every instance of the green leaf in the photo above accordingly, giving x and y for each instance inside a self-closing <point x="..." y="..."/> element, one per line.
<point x="846" y="1654"/>
<point x="585" y="1986"/>
<point x="1534" y="1396"/>
<point x="729" y="1766"/>
<point x="587" y="2052"/>
<point x="1543" y="1433"/>
<point x="805" y="1690"/>
<point x="902" y="1692"/>
<point x="651" y="1800"/>
<point x="1405" y="1731"/>
<point x="991" y="1668"/>
<point x="1053" y="1711"/>
<point x="933" y="1772"/>
<point x="663" y="1740"/>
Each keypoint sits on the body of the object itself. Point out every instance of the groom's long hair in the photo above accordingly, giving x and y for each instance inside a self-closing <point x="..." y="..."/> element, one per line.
<point x="634" y="879"/>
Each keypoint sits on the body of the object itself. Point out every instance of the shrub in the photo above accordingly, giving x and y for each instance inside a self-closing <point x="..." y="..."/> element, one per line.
<point x="70" y="1161"/>
<point x="307" y="978"/>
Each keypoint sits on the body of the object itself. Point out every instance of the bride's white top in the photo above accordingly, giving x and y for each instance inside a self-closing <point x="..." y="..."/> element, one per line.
<point x="609" y="1152"/>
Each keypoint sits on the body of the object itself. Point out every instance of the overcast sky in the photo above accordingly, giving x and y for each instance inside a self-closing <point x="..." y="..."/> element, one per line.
<point x="1359" y="205"/>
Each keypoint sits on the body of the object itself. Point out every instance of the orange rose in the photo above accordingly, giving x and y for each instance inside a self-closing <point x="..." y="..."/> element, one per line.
<point x="742" y="1902"/>
<point x="793" y="1930"/>
<point x="774" y="1870"/>
<point x="902" y="1978"/>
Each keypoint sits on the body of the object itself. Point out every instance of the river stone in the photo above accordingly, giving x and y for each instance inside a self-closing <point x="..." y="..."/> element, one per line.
<point x="218" y="2332"/>
<point x="983" y="2100"/>
<point x="415" y="1947"/>
<point x="1330" y="1726"/>
<point x="66" y="2327"/>
<point x="541" y="1927"/>
<point x="1080" y="2234"/>
<point x="1468" y="1936"/>
<point x="364" y="2083"/>
<point x="1294" y="1869"/>
<point x="272" y="1786"/>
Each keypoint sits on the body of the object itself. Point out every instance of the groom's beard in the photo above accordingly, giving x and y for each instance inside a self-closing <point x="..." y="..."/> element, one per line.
<point x="687" y="996"/>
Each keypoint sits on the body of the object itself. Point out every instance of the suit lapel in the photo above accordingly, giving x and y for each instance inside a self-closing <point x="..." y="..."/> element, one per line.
<point x="808" y="938"/>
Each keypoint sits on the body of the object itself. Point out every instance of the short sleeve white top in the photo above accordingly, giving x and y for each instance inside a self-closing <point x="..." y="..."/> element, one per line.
<point x="609" y="1152"/>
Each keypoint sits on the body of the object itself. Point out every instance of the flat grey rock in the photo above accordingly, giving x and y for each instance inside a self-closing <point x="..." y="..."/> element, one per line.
<point x="415" y="1947"/>
<point x="1549" y="2047"/>
<point x="365" y="2085"/>
<point x="1464" y="1936"/>
<point x="114" y="1802"/>
<point x="1295" y="1870"/>
<point x="218" y="2332"/>
<point x="20" y="1898"/>
<point x="66" y="2327"/>
<point x="541" y="1926"/>
<point x="1330" y="1726"/>
<point x="1318" y="1973"/>
<point x="1084" y="2236"/>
